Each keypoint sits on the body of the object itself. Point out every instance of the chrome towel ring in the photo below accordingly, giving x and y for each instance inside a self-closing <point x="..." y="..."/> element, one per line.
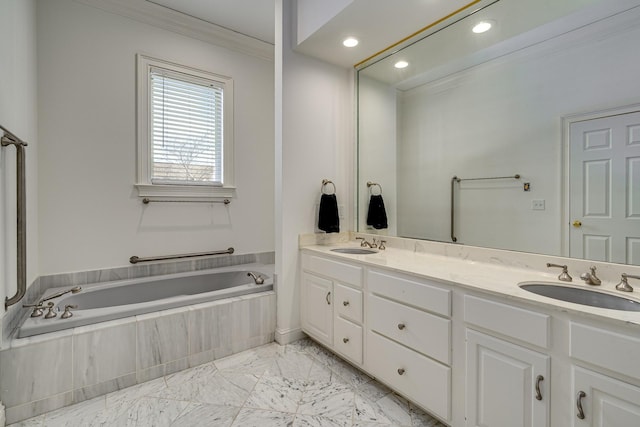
<point x="374" y="184"/>
<point x="326" y="182"/>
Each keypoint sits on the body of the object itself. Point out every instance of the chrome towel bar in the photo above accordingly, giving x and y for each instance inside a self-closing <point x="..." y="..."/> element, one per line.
<point x="147" y="200"/>
<point x="136" y="259"/>
<point x="9" y="138"/>
<point x="453" y="207"/>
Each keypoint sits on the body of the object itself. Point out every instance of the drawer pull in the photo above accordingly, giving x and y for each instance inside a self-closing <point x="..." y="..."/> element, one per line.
<point x="401" y="326"/>
<point x="538" y="381"/>
<point x="345" y="303"/>
<point x="327" y="298"/>
<point x="345" y="340"/>
<point x="581" y="394"/>
<point x="401" y="371"/>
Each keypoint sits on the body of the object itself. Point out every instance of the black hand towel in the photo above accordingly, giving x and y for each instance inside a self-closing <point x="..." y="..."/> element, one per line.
<point x="377" y="215"/>
<point x="328" y="216"/>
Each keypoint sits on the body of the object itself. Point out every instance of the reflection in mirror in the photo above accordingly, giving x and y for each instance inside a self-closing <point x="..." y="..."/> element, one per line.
<point x="550" y="93"/>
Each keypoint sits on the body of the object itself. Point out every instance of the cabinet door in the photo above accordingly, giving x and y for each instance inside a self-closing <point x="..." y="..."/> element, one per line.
<point x="502" y="383"/>
<point x="603" y="401"/>
<point x="317" y="300"/>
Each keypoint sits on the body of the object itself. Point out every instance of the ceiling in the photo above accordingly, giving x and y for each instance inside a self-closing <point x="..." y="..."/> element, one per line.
<point x="253" y="18"/>
<point x="377" y="23"/>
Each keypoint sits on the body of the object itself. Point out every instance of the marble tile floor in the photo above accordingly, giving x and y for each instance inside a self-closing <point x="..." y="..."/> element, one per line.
<point x="300" y="384"/>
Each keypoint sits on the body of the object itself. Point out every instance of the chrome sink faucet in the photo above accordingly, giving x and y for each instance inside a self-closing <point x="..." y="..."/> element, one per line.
<point x="591" y="278"/>
<point x="564" y="276"/>
<point x="624" y="284"/>
<point x="366" y="244"/>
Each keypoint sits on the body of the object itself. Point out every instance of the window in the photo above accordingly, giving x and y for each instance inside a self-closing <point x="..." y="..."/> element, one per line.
<point x="184" y="131"/>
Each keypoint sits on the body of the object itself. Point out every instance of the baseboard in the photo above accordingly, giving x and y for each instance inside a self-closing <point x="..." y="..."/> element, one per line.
<point x="288" y="336"/>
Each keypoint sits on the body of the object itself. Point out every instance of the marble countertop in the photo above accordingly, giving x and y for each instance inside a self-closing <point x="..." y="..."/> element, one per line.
<point x="500" y="280"/>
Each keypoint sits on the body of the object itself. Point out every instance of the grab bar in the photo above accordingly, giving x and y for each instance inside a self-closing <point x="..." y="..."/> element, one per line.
<point x="136" y="259"/>
<point x="453" y="209"/>
<point x="10" y="139"/>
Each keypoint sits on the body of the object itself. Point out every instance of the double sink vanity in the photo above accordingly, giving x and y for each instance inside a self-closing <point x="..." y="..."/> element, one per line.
<point x="479" y="337"/>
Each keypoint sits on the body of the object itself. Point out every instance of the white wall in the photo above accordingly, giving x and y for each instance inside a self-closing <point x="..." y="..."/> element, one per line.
<point x="503" y="118"/>
<point x="90" y="215"/>
<point x="18" y="114"/>
<point x="314" y="127"/>
<point x="312" y="15"/>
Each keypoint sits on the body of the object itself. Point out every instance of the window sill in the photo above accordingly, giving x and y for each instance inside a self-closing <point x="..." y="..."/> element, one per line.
<point x="184" y="192"/>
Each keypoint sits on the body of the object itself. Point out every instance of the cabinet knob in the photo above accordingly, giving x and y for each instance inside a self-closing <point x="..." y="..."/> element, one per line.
<point x="401" y="371"/>
<point x="345" y="303"/>
<point x="581" y="395"/>
<point x="345" y="340"/>
<point x="401" y="326"/>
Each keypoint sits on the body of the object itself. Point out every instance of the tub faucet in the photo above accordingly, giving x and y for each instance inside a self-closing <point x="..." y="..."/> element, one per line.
<point x="38" y="308"/>
<point x="590" y="278"/>
<point x="74" y="290"/>
<point x="258" y="279"/>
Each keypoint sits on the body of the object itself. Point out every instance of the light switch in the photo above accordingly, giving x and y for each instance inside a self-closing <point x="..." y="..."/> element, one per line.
<point x="537" y="205"/>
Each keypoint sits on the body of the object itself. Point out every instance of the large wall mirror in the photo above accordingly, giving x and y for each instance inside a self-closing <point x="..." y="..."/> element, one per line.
<point x="524" y="137"/>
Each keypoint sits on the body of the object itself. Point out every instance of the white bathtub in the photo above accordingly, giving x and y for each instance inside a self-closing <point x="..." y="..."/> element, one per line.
<point x="99" y="302"/>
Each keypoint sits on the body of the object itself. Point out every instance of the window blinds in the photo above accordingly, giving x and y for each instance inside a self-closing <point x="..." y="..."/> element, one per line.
<point x="186" y="128"/>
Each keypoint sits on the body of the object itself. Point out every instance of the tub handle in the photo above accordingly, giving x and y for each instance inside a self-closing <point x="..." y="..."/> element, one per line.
<point x="67" y="311"/>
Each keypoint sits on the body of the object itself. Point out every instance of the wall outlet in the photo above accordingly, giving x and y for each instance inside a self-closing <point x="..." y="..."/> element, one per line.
<point x="537" y="205"/>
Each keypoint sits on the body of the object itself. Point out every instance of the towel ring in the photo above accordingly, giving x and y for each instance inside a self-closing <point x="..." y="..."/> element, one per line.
<point x="326" y="182"/>
<point x="374" y="184"/>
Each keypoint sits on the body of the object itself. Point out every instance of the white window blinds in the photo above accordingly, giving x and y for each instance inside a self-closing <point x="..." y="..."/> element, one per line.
<point x="186" y="126"/>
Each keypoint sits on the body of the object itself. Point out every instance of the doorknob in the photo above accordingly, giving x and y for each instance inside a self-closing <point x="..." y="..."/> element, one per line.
<point x="577" y="224"/>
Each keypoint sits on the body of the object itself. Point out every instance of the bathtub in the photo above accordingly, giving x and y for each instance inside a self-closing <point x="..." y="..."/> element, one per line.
<point x="100" y="302"/>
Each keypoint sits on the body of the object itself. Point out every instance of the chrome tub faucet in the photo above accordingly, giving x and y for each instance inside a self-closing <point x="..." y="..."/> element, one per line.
<point x="256" y="278"/>
<point x="38" y="308"/>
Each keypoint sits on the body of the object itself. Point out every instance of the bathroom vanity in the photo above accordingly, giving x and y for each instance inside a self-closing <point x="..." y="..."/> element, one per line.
<point x="459" y="338"/>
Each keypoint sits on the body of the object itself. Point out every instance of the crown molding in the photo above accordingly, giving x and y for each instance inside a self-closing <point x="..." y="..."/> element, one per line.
<point x="171" y="20"/>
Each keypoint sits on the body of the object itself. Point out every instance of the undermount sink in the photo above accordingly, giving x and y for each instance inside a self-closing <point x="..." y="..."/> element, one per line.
<point x="581" y="296"/>
<point x="355" y="251"/>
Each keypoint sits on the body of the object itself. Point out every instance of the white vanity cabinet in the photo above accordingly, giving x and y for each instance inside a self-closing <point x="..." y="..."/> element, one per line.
<point x="409" y="338"/>
<point x="332" y="305"/>
<point x="598" y="399"/>
<point x="507" y="384"/>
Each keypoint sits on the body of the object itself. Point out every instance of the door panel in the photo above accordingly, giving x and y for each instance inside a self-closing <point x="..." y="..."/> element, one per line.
<point x="604" y="188"/>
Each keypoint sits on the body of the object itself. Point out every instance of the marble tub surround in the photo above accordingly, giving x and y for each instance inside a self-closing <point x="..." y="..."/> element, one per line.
<point x="16" y="314"/>
<point x="46" y="372"/>
<point x="299" y="384"/>
<point x="491" y="270"/>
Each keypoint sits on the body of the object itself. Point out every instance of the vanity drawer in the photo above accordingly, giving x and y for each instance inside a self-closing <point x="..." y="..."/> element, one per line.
<point x="426" y="382"/>
<point x="340" y="271"/>
<point x="348" y="302"/>
<point x="348" y="339"/>
<point x="416" y="329"/>
<point x="419" y="294"/>
<point x="611" y="350"/>
<point x="514" y="322"/>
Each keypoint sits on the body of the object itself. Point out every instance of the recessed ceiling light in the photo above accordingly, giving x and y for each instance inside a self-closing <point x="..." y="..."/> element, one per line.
<point x="401" y="64"/>
<point x="350" y="42"/>
<point x="482" y="27"/>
